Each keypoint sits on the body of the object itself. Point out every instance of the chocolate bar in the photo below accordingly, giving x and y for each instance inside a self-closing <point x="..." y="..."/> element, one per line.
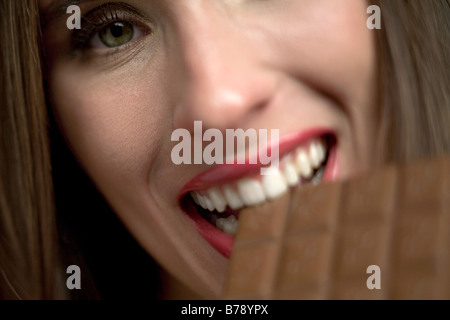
<point x="384" y="235"/>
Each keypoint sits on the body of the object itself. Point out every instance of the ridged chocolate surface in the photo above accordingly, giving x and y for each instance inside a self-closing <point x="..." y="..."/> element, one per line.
<point x="317" y="242"/>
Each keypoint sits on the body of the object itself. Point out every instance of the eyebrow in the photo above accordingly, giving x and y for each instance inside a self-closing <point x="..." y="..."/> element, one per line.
<point x="57" y="8"/>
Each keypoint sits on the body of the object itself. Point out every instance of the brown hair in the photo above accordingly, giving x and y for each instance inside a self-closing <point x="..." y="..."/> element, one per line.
<point x="414" y="63"/>
<point x="28" y="252"/>
<point x="413" y="52"/>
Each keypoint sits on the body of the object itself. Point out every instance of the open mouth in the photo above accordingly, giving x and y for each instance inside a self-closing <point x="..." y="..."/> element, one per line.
<point x="220" y="204"/>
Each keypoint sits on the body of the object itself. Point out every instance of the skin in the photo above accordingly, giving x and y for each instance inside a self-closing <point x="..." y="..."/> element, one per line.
<point x="286" y="64"/>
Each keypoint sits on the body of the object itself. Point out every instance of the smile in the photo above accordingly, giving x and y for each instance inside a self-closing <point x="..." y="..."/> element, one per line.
<point x="304" y="165"/>
<point x="215" y="198"/>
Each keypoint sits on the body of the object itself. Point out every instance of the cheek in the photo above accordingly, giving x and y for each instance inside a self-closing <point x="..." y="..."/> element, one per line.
<point x="327" y="43"/>
<point x="114" y="124"/>
<point x="335" y="51"/>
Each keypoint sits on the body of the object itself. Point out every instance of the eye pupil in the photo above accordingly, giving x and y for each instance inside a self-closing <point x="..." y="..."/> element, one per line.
<point x="117" y="29"/>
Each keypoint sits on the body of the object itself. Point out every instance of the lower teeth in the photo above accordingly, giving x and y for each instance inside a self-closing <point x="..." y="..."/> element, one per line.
<point x="227" y="225"/>
<point x="318" y="176"/>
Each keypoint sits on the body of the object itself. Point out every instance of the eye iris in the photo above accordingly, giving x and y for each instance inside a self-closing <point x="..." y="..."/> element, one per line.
<point x="116" y="34"/>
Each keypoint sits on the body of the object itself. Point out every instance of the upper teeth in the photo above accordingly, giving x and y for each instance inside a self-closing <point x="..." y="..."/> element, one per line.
<point x="250" y="191"/>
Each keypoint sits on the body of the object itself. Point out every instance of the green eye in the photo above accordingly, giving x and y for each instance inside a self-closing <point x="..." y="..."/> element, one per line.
<point x="116" y="34"/>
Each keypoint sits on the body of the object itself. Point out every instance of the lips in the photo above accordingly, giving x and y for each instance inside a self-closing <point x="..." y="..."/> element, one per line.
<point x="214" y="198"/>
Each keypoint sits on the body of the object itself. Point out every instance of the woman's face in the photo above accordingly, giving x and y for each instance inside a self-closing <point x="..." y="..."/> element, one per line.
<point x="142" y="69"/>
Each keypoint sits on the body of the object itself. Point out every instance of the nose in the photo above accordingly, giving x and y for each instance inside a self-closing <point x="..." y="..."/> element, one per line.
<point x="224" y="81"/>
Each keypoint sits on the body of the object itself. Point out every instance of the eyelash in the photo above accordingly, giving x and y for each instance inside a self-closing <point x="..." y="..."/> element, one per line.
<point x="102" y="17"/>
